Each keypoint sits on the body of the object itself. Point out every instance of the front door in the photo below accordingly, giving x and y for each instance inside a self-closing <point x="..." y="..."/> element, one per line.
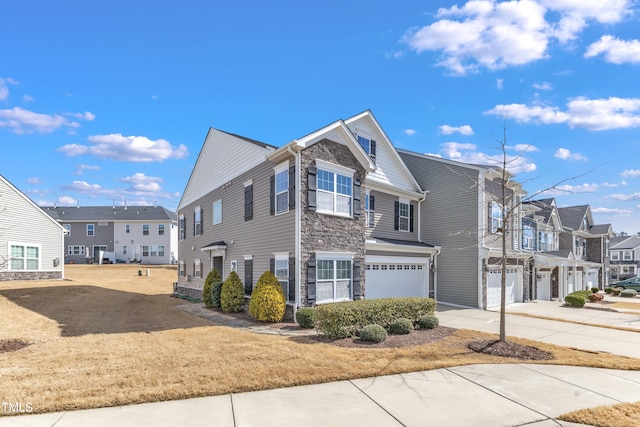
<point x="543" y="286"/>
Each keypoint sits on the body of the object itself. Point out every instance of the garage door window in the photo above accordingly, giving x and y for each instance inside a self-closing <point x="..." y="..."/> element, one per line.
<point x="333" y="280"/>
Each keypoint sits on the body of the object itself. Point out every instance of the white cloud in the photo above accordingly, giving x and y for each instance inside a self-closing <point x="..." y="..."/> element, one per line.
<point x="84" y="187"/>
<point x="635" y="173"/>
<point x="525" y="148"/>
<point x="34" y="181"/>
<point x="87" y="115"/>
<point x="542" y="86"/>
<point x="23" y="121"/>
<point x="625" y="197"/>
<point x="613" y="211"/>
<point x="566" y="154"/>
<point x="410" y="132"/>
<point x="466" y="153"/>
<point x="398" y="54"/>
<point x="83" y="167"/>
<point x="484" y="33"/>
<point x="591" y="114"/>
<point x="560" y="190"/>
<point x="142" y="183"/>
<point x="614" y="184"/>
<point x="500" y="84"/>
<point x="615" y="51"/>
<point x="463" y="130"/>
<point x="127" y="148"/>
<point x="27" y="98"/>
<point x="66" y="201"/>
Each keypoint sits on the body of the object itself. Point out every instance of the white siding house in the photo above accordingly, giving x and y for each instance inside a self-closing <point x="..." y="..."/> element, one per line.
<point x="31" y="242"/>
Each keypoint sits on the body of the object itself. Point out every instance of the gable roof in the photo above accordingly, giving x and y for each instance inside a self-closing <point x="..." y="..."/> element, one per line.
<point x="601" y="229"/>
<point x="31" y="202"/>
<point x="110" y="213"/>
<point x="625" y="242"/>
<point x="547" y="209"/>
<point x="219" y="159"/>
<point x="572" y="216"/>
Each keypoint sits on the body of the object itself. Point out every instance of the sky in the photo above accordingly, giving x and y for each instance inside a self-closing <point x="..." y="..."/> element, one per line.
<point x="109" y="102"/>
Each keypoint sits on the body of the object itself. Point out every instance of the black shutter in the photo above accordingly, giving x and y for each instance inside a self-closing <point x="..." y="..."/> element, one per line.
<point x="194" y="223"/>
<point x="292" y="187"/>
<point x="372" y="150"/>
<point x="202" y="221"/>
<point x="411" y="218"/>
<point x="272" y="194"/>
<point x="272" y="265"/>
<point x="292" y="279"/>
<point x="357" y="291"/>
<point x="248" y="276"/>
<point x="356" y="198"/>
<point x="311" y="280"/>
<point x="396" y="215"/>
<point x="372" y="203"/>
<point x="312" y="184"/>
<point x="201" y="269"/>
<point x="248" y="202"/>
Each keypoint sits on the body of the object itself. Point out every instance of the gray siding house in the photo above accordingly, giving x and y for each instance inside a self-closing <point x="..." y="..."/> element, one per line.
<point x="335" y="215"/>
<point x="118" y="234"/>
<point x="464" y="218"/>
<point x="624" y="256"/>
<point x="31" y="242"/>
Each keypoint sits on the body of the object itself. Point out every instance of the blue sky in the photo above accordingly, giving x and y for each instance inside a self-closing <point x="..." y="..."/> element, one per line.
<point x="111" y="101"/>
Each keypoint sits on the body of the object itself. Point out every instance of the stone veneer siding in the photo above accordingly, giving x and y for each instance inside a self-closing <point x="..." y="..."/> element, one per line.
<point x="322" y="232"/>
<point x="30" y="275"/>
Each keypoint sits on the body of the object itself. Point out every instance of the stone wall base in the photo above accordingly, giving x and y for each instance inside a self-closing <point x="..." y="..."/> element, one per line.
<point x="31" y="275"/>
<point x="187" y="292"/>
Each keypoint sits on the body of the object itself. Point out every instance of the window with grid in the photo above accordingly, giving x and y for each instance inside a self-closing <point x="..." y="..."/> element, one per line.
<point x="127" y="228"/>
<point x="497" y="218"/>
<point x="369" y="211"/>
<point x="160" y="229"/>
<point x="627" y="256"/>
<point x="334" y="193"/>
<point x="333" y="280"/>
<point x="145" y="229"/>
<point x="24" y="257"/>
<point x="365" y="143"/>
<point x="403" y="216"/>
<point x="282" y="273"/>
<point x="282" y="191"/>
<point x="528" y="237"/>
<point x="91" y="230"/>
<point x="182" y="227"/>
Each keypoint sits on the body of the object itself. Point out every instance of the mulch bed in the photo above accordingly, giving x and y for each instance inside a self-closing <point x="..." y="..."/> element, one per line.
<point x="12" y="345"/>
<point x="509" y="349"/>
<point x="417" y="337"/>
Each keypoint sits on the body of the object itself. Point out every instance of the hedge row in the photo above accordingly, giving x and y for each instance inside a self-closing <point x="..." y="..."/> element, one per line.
<point x="346" y="319"/>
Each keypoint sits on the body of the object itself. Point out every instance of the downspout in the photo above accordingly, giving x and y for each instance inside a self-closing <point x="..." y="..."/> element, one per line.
<point x="422" y="199"/>
<point x="298" y="216"/>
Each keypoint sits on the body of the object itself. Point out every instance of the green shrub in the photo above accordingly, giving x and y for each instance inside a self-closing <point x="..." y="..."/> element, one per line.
<point x="373" y="333"/>
<point x="232" y="294"/>
<point x="401" y="326"/>
<point x="428" y="322"/>
<point x="608" y="290"/>
<point x="628" y="293"/>
<point x="216" y="289"/>
<point x="595" y="290"/>
<point x="306" y="317"/>
<point x="346" y="319"/>
<point x="212" y="277"/>
<point x="267" y="303"/>
<point x="575" y="300"/>
<point x="584" y="292"/>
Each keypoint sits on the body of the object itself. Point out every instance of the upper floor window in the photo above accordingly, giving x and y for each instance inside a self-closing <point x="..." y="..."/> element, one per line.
<point x="67" y="229"/>
<point x="160" y="229"/>
<point x="528" y="237"/>
<point x="197" y="221"/>
<point x="615" y="256"/>
<point x="282" y="190"/>
<point x="334" y="192"/>
<point x="627" y="256"/>
<point x="145" y="229"/>
<point x="127" y="228"/>
<point x="182" y="228"/>
<point x="403" y="216"/>
<point x="497" y="217"/>
<point x="217" y="211"/>
<point x="91" y="230"/>
<point x="365" y="143"/>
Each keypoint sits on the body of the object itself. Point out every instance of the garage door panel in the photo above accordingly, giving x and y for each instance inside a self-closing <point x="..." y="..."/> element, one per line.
<point x="494" y="286"/>
<point x="395" y="280"/>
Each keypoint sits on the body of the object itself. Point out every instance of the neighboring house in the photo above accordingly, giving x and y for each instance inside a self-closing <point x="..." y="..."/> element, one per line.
<point x="118" y="234"/>
<point x="589" y="243"/>
<point x="624" y="258"/>
<point x="464" y="216"/>
<point x="31" y="242"/>
<point x="335" y="215"/>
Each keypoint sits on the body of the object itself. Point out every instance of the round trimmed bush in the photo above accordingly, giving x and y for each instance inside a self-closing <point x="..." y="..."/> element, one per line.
<point x="373" y="333"/>
<point x="575" y="300"/>
<point x="607" y="290"/>
<point x="595" y="290"/>
<point x="306" y="317"/>
<point x="212" y="277"/>
<point x="401" y="326"/>
<point x="216" y="289"/>
<point x="232" y="294"/>
<point x="628" y="293"/>
<point x="428" y="322"/>
<point x="267" y="303"/>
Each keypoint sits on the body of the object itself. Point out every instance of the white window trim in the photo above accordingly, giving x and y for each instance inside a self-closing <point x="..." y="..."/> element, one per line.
<point x="233" y="265"/>
<point x="336" y="170"/>
<point x="127" y="228"/>
<point x="336" y="256"/>
<point x="331" y="167"/>
<point x="615" y="256"/>
<point x="369" y="214"/>
<point x="197" y="272"/>
<point x="247" y="183"/>
<point x="624" y="255"/>
<point x="67" y="229"/>
<point x="404" y="201"/>
<point x="500" y="219"/>
<point x="24" y="245"/>
<point x="148" y="229"/>
<point x="164" y="229"/>
<point x="93" y="228"/>
<point x="282" y="167"/>
<point x="213" y="211"/>
<point x="197" y="224"/>
<point x="282" y="256"/>
<point x="182" y="230"/>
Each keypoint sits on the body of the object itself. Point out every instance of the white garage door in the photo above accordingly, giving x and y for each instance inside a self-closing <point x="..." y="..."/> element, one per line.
<point x="495" y="283"/>
<point x="383" y="280"/>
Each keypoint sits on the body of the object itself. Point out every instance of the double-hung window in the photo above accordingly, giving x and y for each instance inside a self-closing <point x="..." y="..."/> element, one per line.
<point x="369" y="209"/>
<point x="160" y="229"/>
<point x="282" y="272"/>
<point x="528" y="237"/>
<point x="91" y="230"/>
<point x="627" y="256"/>
<point x="75" y="250"/>
<point x="145" y="229"/>
<point x="127" y="228"/>
<point x="217" y="211"/>
<point x="282" y="188"/>
<point x="403" y="216"/>
<point x="24" y="257"/>
<point x="335" y="188"/>
<point x="497" y="218"/>
<point x="334" y="278"/>
<point x="182" y="227"/>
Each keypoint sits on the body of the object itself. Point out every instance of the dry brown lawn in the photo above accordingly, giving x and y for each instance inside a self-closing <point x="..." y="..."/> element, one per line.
<point x="620" y="415"/>
<point x="106" y="337"/>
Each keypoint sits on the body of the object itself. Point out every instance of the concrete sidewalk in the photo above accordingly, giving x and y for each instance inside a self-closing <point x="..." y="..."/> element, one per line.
<point x="475" y="395"/>
<point x="590" y="338"/>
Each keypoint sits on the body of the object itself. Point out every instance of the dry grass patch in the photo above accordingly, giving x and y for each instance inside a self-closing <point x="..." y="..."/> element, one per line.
<point x="109" y="337"/>
<point x="620" y="415"/>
